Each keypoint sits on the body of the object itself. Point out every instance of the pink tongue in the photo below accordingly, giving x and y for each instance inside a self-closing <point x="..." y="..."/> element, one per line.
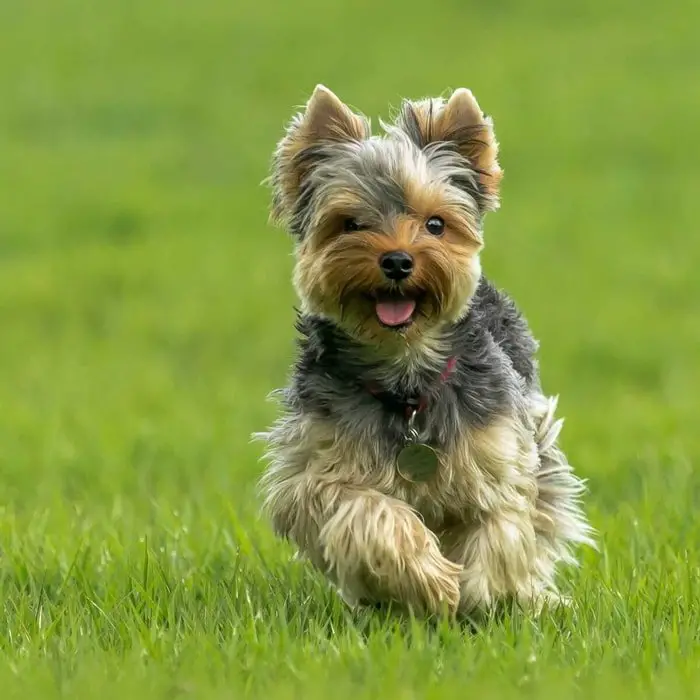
<point x="395" y="313"/>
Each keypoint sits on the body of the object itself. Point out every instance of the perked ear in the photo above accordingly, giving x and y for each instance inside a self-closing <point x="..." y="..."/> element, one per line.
<point x="325" y="120"/>
<point x="459" y="122"/>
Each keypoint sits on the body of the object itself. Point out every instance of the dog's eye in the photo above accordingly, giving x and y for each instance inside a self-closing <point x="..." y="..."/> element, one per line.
<point x="351" y="224"/>
<point x="435" y="225"/>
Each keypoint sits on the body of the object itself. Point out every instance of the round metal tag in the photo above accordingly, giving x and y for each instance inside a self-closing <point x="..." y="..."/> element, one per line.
<point x="417" y="462"/>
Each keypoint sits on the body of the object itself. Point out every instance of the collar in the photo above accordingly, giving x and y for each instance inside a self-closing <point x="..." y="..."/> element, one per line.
<point x="412" y="403"/>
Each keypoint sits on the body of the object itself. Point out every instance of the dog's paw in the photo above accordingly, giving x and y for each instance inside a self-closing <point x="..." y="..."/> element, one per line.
<point x="546" y="601"/>
<point x="435" y="582"/>
<point x="415" y="575"/>
<point x="419" y="577"/>
<point x="378" y="549"/>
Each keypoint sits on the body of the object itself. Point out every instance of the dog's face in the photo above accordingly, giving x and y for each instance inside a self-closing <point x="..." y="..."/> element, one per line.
<point x="389" y="228"/>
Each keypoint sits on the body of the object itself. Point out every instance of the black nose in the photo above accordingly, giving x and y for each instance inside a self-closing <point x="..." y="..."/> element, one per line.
<point x="396" y="265"/>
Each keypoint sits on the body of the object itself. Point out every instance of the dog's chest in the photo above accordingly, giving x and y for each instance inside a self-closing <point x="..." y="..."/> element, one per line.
<point x="482" y="470"/>
<point x="360" y="442"/>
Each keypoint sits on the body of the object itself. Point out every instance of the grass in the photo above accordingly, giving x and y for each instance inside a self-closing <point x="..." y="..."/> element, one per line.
<point x="146" y="312"/>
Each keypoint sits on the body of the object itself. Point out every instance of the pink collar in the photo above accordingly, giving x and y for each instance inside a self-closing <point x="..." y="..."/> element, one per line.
<point x="409" y="404"/>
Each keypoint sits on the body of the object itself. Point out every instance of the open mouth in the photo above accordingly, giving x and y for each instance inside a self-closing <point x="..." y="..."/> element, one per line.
<point x="395" y="310"/>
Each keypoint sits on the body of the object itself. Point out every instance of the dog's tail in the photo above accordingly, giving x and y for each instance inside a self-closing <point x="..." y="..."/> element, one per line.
<point x="561" y="519"/>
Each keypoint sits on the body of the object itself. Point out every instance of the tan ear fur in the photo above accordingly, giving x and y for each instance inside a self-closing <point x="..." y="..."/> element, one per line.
<point x="325" y="119"/>
<point x="461" y="122"/>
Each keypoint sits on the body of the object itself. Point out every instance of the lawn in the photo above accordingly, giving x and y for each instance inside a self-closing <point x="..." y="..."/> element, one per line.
<point x="147" y="311"/>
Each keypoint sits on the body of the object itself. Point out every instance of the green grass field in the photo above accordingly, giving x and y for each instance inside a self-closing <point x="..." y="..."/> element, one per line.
<point x="147" y="310"/>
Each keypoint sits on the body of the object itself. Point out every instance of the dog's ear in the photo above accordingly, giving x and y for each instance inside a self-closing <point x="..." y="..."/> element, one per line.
<point x="460" y="122"/>
<point x="325" y="120"/>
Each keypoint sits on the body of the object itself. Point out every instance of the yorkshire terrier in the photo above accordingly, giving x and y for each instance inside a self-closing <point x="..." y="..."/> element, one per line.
<point x="416" y="461"/>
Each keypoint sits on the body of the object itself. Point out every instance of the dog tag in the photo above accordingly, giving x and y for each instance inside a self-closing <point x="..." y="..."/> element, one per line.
<point x="416" y="461"/>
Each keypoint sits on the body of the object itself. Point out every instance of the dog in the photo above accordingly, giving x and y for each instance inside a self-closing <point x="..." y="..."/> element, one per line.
<point x="416" y="460"/>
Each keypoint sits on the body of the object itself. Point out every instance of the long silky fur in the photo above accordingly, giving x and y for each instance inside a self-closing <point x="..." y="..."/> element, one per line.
<point x="504" y="509"/>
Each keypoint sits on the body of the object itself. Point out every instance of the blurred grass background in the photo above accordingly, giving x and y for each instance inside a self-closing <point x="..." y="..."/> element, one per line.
<point x="147" y="309"/>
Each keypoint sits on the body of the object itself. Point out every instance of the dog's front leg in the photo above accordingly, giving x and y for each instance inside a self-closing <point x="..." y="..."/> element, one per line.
<point x="374" y="547"/>
<point x="497" y="544"/>
<point x="377" y="548"/>
<point x="498" y="553"/>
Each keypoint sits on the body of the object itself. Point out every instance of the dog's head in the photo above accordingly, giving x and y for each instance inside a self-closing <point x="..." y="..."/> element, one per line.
<point x="389" y="228"/>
